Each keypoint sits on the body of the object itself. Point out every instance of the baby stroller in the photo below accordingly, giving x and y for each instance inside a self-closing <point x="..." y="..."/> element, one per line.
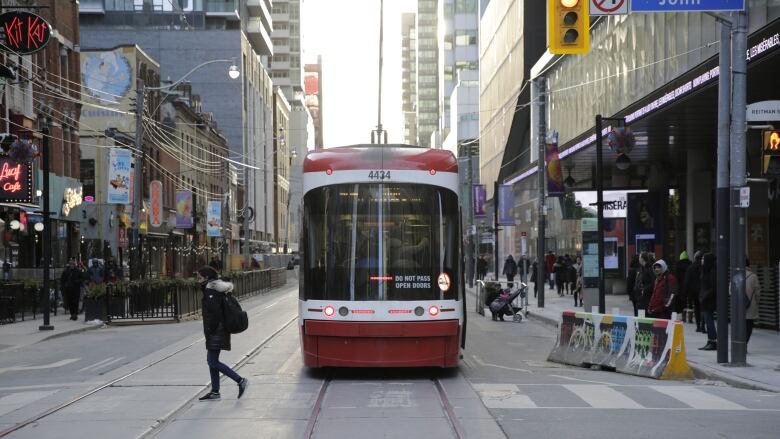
<point x="502" y="305"/>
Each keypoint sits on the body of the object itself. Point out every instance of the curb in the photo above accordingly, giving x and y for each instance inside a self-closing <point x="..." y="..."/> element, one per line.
<point x="71" y="331"/>
<point x="701" y="371"/>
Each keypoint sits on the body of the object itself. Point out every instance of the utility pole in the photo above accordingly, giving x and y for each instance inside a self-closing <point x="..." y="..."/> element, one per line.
<point x="722" y="191"/>
<point x="471" y="260"/>
<point x="495" y="226"/>
<point x="245" y="216"/>
<point x="738" y="181"/>
<point x="600" y="209"/>
<point x="538" y="98"/>
<point x="379" y="131"/>
<point x="47" y="326"/>
<point x="140" y="158"/>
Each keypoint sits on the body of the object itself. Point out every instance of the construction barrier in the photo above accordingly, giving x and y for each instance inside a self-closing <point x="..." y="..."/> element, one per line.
<point x="646" y="347"/>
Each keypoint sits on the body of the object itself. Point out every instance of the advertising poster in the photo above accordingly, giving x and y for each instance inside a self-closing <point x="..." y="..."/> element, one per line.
<point x="119" y="169"/>
<point x="644" y="228"/>
<point x="156" y="195"/>
<point x="554" y="173"/>
<point x="758" y="240"/>
<point x="184" y="210"/>
<point x="506" y="201"/>
<point x="480" y="193"/>
<point x="214" y="218"/>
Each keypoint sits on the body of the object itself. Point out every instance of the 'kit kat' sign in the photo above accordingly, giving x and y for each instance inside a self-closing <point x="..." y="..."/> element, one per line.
<point x="23" y="32"/>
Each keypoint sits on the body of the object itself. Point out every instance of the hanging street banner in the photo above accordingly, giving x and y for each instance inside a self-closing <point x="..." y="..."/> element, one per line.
<point x="506" y="201"/>
<point x="156" y="201"/>
<point x="23" y="32"/>
<point x="184" y="210"/>
<point x="214" y="218"/>
<point x="686" y="5"/>
<point x="480" y="193"/>
<point x="119" y="182"/>
<point x="554" y="173"/>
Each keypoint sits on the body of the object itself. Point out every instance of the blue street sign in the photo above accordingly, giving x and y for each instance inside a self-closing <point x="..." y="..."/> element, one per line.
<point x="686" y="5"/>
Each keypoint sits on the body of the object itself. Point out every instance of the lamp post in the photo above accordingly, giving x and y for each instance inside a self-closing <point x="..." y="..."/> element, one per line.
<point x="46" y="243"/>
<point x="141" y="88"/>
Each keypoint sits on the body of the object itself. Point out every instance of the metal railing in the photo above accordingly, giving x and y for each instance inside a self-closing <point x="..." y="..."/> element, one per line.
<point x="173" y="299"/>
<point x="20" y="300"/>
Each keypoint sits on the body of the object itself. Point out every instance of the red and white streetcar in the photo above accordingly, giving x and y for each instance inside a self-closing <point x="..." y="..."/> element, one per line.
<point x="381" y="280"/>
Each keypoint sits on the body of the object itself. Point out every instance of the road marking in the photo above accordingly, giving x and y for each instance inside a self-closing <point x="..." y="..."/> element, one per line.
<point x="698" y="399"/>
<point x="42" y="366"/>
<point x="15" y="401"/>
<point x="498" y="366"/>
<point x="584" y="381"/>
<point x="102" y="366"/>
<point x="503" y="396"/>
<point x="98" y="364"/>
<point x="274" y="303"/>
<point x="602" y="397"/>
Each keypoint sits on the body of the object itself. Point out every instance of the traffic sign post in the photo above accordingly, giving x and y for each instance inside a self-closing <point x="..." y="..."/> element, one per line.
<point x="686" y="5"/>
<point x="608" y="7"/>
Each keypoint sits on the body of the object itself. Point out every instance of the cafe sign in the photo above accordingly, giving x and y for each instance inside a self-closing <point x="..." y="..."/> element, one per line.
<point x="23" y="32"/>
<point x="15" y="181"/>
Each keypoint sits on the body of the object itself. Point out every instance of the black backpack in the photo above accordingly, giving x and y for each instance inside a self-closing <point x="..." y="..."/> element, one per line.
<point x="236" y="319"/>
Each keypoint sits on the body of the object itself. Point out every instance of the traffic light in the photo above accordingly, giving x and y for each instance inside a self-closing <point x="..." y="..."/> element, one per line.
<point x="568" y="27"/>
<point x="771" y="154"/>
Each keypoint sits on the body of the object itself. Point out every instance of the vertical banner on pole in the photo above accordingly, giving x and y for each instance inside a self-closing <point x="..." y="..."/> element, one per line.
<point x="156" y="198"/>
<point x="184" y="210"/>
<point x="214" y="218"/>
<point x="506" y="200"/>
<point x="119" y="182"/>
<point x="554" y="173"/>
<point x="480" y="194"/>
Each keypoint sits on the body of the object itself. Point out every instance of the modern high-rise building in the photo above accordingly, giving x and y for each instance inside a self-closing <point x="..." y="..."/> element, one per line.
<point x="183" y="34"/>
<point x="285" y="66"/>
<point x="409" y="76"/>
<point x="312" y="86"/>
<point x="427" y="71"/>
<point x="458" y="51"/>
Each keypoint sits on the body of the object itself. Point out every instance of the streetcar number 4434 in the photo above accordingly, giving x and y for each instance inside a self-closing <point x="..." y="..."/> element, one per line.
<point x="379" y="175"/>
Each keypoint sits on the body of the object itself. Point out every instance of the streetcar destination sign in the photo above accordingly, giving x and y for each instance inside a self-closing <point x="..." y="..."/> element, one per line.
<point x="686" y="5"/>
<point x="23" y="32"/>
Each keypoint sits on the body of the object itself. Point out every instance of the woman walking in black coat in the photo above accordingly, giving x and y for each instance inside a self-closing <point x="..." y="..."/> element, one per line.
<point x="217" y="337"/>
<point x="707" y="300"/>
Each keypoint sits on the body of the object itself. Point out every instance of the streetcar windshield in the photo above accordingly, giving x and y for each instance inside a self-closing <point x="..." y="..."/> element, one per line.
<point x="372" y="241"/>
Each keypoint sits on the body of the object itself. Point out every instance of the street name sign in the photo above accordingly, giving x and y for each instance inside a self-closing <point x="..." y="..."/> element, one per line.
<point x="608" y="7"/>
<point x="686" y="5"/>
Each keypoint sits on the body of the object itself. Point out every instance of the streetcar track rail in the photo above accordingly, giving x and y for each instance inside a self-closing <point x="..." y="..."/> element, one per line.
<point x="449" y="411"/>
<point x="68" y="403"/>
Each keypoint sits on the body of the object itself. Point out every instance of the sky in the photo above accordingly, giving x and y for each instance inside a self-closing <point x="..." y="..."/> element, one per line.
<point x="346" y="34"/>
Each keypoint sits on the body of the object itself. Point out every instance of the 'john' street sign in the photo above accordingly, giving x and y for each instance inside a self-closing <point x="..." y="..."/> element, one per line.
<point x="23" y="32"/>
<point x="686" y="5"/>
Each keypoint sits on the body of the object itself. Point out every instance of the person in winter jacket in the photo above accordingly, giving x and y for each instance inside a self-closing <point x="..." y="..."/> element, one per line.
<point x="753" y="293"/>
<point x="679" y="272"/>
<point x="217" y="337"/>
<point x="707" y="300"/>
<point x="510" y="270"/>
<point x="664" y="292"/>
<point x="561" y="274"/>
<point x="643" y="285"/>
<point x="691" y="289"/>
<point x="71" y="281"/>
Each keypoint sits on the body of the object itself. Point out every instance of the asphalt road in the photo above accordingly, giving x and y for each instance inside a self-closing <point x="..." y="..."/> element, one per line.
<point x="503" y="388"/>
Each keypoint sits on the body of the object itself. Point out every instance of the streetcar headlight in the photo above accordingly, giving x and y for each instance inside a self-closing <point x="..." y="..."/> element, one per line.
<point x="343" y="311"/>
<point x="419" y="311"/>
<point x="433" y="311"/>
<point x="329" y="311"/>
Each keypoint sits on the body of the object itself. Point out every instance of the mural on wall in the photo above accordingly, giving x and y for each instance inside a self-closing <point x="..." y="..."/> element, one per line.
<point x="637" y="346"/>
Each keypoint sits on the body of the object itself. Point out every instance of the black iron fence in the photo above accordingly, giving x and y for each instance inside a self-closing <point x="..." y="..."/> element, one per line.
<point x="24" y="299"/>
<point x="169" y="299"/>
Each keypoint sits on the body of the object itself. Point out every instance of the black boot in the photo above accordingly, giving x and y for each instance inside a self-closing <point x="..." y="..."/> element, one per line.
<point x="710" y="346"/>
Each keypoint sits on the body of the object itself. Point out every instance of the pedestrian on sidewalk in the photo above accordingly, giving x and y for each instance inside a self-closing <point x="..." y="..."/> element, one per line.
<point x="753" y="298"/>
<point x="579" y="293"/>
<point x="664" y="292"/>
<point x="692" y="286"/>
<point x="549" y="261"/>
<point x="534" y="268"/>
<point x="510" y="270"/>
<point x="643" y="286"/>
<point x="71" y="281"/>
<point x="561" y="273"/>
<point x="680" y="268"/>
<point x="217" y="337"/>
<point x="707" y="300"/>
<point x="481" y="267"/>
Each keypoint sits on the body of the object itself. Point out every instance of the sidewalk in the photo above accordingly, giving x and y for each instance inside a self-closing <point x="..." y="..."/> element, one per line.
<point x="25" y="333"/>
<point x="763" y="371"/>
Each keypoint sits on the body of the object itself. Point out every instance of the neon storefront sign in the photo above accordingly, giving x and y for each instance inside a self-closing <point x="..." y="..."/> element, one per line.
<point x="15" y="181"/>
